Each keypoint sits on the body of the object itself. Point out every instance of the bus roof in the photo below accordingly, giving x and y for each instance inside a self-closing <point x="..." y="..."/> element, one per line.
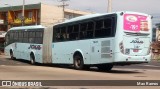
<point x="27" y="27"/>
<point x="97" y="15"/>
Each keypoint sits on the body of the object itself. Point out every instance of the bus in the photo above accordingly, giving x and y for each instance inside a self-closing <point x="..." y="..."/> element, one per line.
<point x="100" y="40"/>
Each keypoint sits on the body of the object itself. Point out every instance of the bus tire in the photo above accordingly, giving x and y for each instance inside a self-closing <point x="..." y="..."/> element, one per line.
<point x="32" y="58"/>
<point x="11" y="55"/>
<point x="105" y="67"/>
<point x="78" y="62"/>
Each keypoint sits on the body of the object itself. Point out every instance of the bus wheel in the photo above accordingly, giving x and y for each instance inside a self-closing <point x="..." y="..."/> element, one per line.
<point x="32" y="58"/>
<point x="105" y="67"/>
<point x="11" y="55"/>
<point x="78" y="62"/>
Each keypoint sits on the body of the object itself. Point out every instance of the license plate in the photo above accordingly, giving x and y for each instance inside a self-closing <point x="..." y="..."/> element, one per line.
<point x="135" y="50"/>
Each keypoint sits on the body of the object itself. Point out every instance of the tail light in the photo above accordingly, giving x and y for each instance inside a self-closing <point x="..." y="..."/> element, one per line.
<point x="121" y="47"/>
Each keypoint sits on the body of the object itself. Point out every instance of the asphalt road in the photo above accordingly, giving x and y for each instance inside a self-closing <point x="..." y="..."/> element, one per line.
<point x="5" y="61"/>
<point x="22" y="70"/>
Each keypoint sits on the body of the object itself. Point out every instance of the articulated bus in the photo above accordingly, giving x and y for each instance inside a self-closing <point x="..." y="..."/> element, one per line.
<point x="100" y="40"/>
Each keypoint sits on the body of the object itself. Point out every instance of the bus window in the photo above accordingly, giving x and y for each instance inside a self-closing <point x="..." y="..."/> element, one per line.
<point x="76" y="32"/>
<point x="86" y="30"/>
<point x="83" y="33"/>
<point x="99" y="24"/>
<point x="16" y="36"/>
<point x="90" y="29"/>
<point x="104" y="28"/>
<point x="25" y="37"/>
<point x="38" y="37"/>
<point x="11" y="37"/>
<point x="57" y="34"/>
<point x="83" y="27"/>
<point x="31" y="37"/>
<point x="108" y="23"/>
<point x="76" y="29"/>
<point x="20" y="36"/>
<point x="63" y="34"/>
<point x="71" y="31"/>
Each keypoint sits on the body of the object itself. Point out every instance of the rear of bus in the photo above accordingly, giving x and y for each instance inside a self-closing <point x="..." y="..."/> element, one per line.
<point x="133" y="38"/>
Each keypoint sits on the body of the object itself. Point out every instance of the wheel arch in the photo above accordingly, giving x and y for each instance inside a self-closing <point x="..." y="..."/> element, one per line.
<point x="78" y="52"/>
<point x="32" y="53"/>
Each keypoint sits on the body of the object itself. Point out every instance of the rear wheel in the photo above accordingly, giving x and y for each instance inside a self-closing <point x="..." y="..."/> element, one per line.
<point x="105" y="67"/>
<point x="32" y="59"/>
<point x="78" y="62"/>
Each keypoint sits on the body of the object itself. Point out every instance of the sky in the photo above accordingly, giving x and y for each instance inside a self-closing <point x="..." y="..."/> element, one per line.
<point x="99" y="6"/>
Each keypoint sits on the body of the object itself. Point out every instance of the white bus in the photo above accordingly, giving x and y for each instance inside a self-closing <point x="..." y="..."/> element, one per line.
<point x="101" y="40"/>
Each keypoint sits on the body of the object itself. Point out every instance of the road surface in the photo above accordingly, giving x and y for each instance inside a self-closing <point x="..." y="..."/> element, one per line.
<point x="22" y="70"/>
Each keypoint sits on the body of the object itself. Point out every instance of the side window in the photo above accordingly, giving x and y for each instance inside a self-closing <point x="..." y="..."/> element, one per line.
<point x="38" y="37"/>
<point x="75" y="32"/>
<point x="16" y="36"/>
<point x="32" y="37"/>
<point x="108" y="27"/>
<point x="90" y="29"/>
<point x="99" y="24"/>
<point x="86" y="30"/>
<point x="104" y="28"/>
<point x="83" y="29"/>
<point x="69" y="32"/>
<point x="63" y="34"/>
<point x="56" y="34"/>
<point x="11" y="37"/>
<point x="72" y="32"/>
<point x="20" y="36"/>
<point x="25" y="37"/>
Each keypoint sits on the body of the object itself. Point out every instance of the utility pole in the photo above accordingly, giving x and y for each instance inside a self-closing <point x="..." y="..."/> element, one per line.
<point x="23" y="18"/>
<point x="63" y="6"/>
<point x="109" y="6"/>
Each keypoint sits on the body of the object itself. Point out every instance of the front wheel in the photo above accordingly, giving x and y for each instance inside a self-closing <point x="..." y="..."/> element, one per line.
<point x="78" y="62"/>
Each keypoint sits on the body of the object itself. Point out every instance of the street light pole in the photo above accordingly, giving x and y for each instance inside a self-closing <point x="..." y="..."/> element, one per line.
<point x="23" y="18"/>
<point x="109" y="6"/>
<point x="63" y="7"/>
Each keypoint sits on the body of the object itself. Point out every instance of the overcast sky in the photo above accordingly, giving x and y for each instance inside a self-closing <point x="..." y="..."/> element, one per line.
<point x="100" y="6"/>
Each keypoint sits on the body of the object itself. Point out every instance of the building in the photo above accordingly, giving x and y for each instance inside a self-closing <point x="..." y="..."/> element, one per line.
<point x="35" y="14"/>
